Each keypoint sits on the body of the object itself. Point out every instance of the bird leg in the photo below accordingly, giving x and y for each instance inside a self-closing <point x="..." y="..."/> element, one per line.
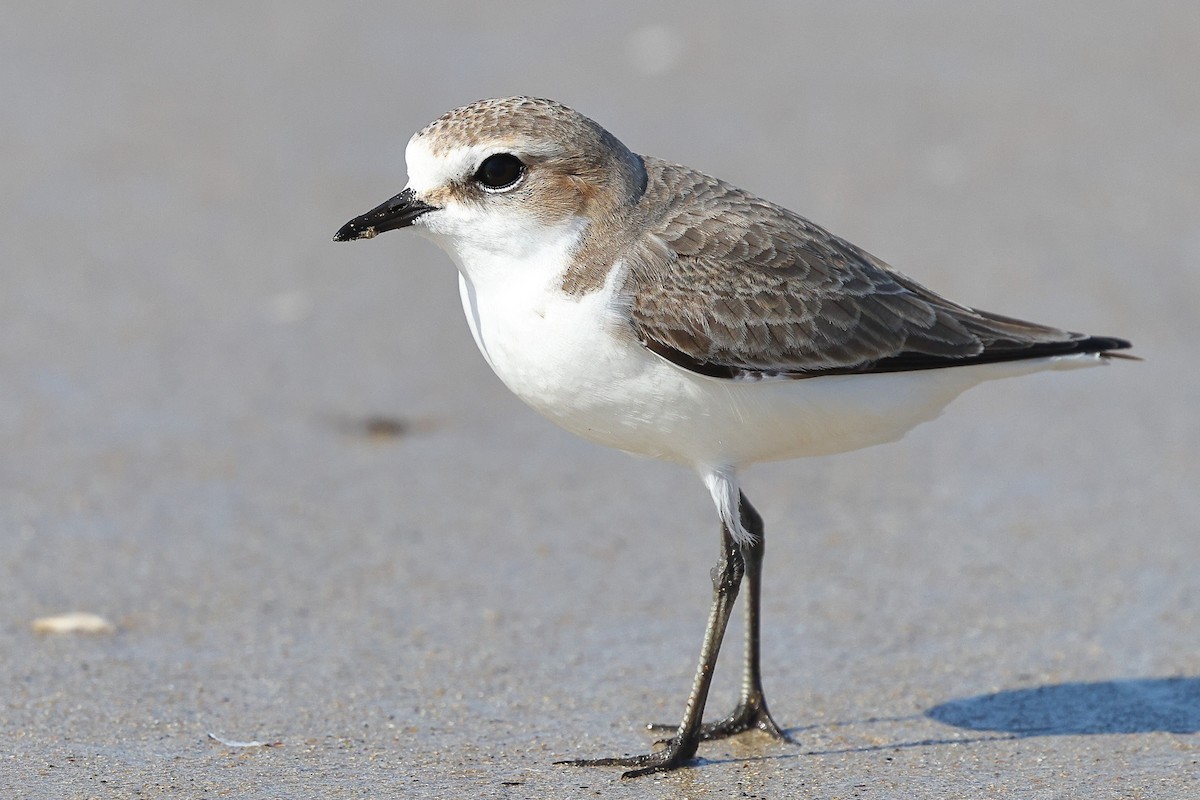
<point x="677" y="750"/>
<point x="751" y="712"/>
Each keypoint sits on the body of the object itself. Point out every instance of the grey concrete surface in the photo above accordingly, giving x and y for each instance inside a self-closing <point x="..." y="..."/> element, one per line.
<point x="1004" y="604"/>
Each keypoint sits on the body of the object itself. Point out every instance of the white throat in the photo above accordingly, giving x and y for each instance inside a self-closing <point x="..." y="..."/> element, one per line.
<point x="518" y="273"/>
<point x="514" y="254"/>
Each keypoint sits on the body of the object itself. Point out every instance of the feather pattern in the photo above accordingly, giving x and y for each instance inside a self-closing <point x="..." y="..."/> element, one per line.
<point x="730" y="285"/>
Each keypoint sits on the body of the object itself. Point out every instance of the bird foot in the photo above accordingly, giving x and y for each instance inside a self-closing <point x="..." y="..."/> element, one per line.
<point x="674" y="755"/>
<point x="747" y="716"/>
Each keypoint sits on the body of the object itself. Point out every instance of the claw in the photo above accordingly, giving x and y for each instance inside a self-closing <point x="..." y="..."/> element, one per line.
<point x="675" y="755"/>
<point x="748" y="715"/>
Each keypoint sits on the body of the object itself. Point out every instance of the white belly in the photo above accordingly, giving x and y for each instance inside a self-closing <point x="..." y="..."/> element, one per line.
<point x="576" y="362"/>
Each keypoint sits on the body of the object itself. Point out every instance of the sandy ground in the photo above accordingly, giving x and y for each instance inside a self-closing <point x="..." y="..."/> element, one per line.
<point x="279" y="468"/>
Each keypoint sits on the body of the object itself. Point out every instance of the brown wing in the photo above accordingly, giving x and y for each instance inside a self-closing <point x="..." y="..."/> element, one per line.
<point x="757" y="289"/>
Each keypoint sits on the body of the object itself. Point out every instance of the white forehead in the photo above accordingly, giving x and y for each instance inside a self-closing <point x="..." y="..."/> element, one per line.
<point x="429" y="169"/>
<point x="435" y="161"/>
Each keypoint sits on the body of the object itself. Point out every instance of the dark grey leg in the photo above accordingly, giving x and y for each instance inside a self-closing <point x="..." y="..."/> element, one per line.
<point x="751" y="712"/>
<point x="726" y="578"/>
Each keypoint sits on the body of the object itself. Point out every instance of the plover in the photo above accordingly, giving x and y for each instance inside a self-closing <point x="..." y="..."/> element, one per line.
<point x="652" y="308"/>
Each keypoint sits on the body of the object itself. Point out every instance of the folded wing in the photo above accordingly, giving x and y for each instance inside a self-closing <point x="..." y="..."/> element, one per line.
<point x="757" y="290"/>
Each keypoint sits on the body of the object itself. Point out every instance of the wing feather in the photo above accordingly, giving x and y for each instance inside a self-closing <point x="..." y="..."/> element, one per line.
<point x="733" y="285"/>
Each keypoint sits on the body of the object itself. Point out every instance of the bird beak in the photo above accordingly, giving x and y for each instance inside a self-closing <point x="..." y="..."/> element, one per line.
<point x="399" y="212"/>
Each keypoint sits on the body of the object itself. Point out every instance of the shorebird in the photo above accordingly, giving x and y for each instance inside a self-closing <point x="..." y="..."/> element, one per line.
<point x="652" y="308"/>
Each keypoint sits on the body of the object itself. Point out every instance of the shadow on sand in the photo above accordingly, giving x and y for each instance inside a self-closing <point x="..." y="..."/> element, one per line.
<point x="1140" y="705"/>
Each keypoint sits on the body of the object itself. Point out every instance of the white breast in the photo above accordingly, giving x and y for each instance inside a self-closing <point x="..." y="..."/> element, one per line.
<point x="571" y="358"/>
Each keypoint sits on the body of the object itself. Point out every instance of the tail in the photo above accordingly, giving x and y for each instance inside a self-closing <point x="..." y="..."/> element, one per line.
<point x="1104" y="346"/>
<point x="1078" y="344"/>
<point x="1070" y="352"/>
<point x="1068" y="344"/>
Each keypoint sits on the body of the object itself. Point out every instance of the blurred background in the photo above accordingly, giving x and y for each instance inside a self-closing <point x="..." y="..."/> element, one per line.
<point x="315" y="519"/>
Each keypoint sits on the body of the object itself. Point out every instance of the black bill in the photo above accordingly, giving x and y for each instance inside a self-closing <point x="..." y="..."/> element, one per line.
<point x="399" y="212"/>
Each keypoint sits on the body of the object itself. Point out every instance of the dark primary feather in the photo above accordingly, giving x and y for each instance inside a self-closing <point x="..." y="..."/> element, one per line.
<point x="758" y="290"/>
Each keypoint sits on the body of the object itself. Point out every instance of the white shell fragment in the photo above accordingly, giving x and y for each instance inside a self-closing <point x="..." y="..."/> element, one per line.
<point x="234" y="743"/>
<point x="73" y="622"/>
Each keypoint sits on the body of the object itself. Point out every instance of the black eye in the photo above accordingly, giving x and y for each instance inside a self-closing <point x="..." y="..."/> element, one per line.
<point x="500" y="171"/>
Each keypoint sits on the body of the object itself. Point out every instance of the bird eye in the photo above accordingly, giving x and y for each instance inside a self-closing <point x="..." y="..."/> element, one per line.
<point x="499" y="171"/>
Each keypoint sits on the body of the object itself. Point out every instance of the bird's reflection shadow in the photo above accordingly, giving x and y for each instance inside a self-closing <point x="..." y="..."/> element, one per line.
<point x="1138" y="705"/>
